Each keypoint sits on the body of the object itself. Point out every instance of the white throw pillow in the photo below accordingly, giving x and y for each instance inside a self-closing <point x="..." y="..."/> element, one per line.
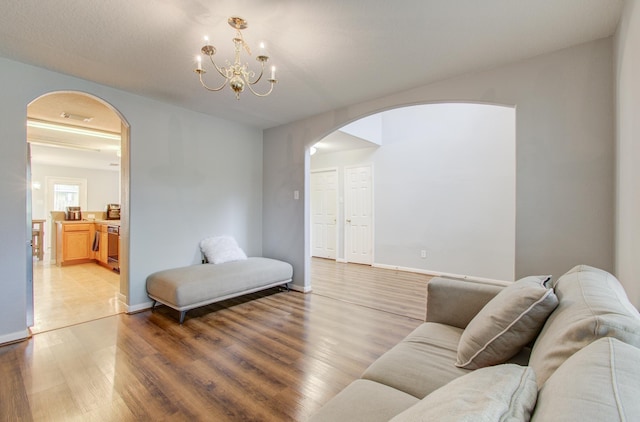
<point x="221" y="249"/>
<point x="498" y="393"/>
<point x="507" y="323"/>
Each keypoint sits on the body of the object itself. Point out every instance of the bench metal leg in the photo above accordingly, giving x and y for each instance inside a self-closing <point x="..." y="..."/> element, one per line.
<point x="153" y="305"/>
<point x="182" y="314"/>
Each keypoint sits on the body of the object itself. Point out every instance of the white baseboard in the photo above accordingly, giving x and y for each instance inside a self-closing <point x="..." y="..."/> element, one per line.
<point x="441" y="274"/>
<point x="139" y="307"/>
<point x="13" y="337"/>
<point x="341" y="260"/>
<point x="300" y="289"/>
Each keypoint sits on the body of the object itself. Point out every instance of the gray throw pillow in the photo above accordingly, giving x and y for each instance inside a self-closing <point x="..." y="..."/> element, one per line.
<point x="498" y="393"/>
<point x="507" y="323"/>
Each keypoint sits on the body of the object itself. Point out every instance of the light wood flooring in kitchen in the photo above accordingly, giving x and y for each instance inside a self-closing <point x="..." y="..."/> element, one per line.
<point x="269" y="356"/>
<point x="73" y="294"/>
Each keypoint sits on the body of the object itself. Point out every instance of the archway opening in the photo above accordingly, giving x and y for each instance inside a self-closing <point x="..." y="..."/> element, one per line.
<point x="442" y="191"/>
<point x="78" y="157"/>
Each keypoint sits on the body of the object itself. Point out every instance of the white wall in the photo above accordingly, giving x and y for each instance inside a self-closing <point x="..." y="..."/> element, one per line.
<point x="564" y="158"/>
<point x="628" y="143"/>
<point x="103" y="186"/>
<point x="445" y="183"/>
<point x="192" y="175"/>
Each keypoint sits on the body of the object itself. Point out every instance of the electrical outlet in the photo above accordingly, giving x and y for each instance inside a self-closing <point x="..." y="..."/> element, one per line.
<point x="423" y="254"/>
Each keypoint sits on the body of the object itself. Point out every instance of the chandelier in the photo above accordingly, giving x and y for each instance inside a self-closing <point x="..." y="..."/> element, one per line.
<point x="237" y="75"/>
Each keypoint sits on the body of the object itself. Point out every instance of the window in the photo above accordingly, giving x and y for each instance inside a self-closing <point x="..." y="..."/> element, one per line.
<point x="65" y="195"/>
<point x="63" y="192"/>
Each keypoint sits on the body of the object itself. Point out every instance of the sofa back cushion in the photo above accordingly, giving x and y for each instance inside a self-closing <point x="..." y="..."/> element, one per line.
<point x="598" y="383"/>
<point x="592" y="304"/>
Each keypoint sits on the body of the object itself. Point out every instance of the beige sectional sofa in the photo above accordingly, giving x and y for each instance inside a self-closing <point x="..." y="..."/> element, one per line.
<point x="535" y="349"/>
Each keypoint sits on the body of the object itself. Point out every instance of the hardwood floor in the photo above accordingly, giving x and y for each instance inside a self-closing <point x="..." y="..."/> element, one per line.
<point x="397" y="292"/>
<point x="73" y="294"/>
<point x="269" y="356"/>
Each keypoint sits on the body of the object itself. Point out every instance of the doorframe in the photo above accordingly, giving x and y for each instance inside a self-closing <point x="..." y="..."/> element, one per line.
<point x="125" y="187"/>
<point x="373" y="219"/>
<point x="339" y="211"/>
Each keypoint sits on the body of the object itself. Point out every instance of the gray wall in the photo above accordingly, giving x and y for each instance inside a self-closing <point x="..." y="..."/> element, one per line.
<point x="628" y="143"/>
<point x="564" y="158"/>
<point x="444" y="182"/>
<point x="192" y="176"/>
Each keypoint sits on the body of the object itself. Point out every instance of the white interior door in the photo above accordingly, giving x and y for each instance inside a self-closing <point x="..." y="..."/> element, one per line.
<point x="359" y="215"/>
<point x="324" y="213"/>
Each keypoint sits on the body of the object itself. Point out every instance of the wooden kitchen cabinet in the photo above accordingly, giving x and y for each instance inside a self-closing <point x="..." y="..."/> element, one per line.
<point x="74" y="243"/>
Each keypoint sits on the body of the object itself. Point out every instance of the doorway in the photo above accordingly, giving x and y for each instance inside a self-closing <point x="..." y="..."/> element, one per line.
<point x="358" y="207"/>
<point x="324" y="213"/>
<point x="444" y="189"/>
<point x="78" y="158"/>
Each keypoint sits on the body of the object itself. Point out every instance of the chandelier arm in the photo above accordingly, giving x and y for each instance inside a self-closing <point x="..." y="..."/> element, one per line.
<point x="272" y="81"/>
<point x="220" y="70"/>
<point x="213" y="89"/>
<point x="259" y="76"/>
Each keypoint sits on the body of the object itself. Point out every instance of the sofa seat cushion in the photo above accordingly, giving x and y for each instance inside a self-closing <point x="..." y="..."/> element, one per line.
<point x="592" y="304"/>
<point x="497" y="393"/>
<point x="365" y="401"/>
<point x="598" y="383"/>
<point x="422" y="362"/>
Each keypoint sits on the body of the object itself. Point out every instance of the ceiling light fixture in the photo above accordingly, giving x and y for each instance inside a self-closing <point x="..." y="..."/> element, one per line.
<point x="237" y="75"/>
<point x="77" y="117"/>
<point x="57" y="144"/>
<point x="38" y="124"/>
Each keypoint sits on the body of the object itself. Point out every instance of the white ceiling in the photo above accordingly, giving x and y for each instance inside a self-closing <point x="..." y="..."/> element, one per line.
<point x="54" y="147"/>
<point x="329" y="54"/>
<point x="341" y="141"/>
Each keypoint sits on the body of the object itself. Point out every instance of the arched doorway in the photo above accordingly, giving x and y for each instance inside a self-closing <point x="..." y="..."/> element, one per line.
<point x="78" y="156"/>
<point x="444" y="188"/>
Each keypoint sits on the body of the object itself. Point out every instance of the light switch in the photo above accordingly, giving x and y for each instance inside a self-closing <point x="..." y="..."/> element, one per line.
<point x="296" y="194"/>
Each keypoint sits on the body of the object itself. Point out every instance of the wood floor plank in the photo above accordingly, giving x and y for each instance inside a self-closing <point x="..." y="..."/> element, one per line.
<point x="268" y="356"/>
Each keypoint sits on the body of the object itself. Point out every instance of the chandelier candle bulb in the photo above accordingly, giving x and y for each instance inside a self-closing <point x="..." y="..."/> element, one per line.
<point x="199" y="60"/>
<point x="273" y="72"/>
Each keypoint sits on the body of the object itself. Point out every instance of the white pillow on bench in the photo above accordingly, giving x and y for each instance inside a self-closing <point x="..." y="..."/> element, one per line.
<point x="220" y="249"/>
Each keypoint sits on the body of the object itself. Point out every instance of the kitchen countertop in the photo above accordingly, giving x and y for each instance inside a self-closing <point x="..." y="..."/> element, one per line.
<point x="84" y="221"/>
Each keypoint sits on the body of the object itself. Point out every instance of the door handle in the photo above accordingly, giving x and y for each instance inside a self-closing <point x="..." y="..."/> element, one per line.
<point x="348" y="220"/>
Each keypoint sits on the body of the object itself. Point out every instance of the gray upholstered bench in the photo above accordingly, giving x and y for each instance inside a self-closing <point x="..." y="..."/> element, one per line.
<point x="193" y="286"/>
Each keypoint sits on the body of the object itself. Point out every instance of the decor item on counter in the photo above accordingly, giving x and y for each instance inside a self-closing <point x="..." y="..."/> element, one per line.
<point x="73" y="214"/>
<point x="113" y="212"/>
<point x="237" y="75"/>
<point x="221" y="249"/>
